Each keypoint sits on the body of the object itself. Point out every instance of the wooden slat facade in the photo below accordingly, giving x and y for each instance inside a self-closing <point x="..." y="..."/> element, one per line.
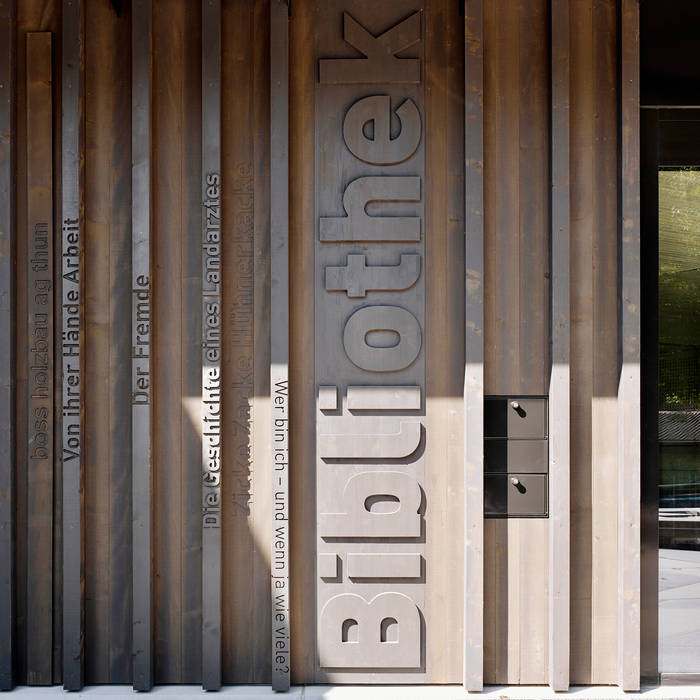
<point x="527" y="163"/>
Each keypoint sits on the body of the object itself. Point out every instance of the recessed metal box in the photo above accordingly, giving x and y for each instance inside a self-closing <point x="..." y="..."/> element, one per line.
<point x="523" y="495"/>
<point x="515" y="417"/>
<point x="516" y="456"/>
<point x="503" y="456"/>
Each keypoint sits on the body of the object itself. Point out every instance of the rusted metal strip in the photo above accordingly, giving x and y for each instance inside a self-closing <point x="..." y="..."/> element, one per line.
<point x="559" y="419"/>
<point x="142" y="634"/>
<point x="279" y="339"/>
<point x="473" y="674"/>
<point x="72" y="339"/>
<point x="211" y="344"/>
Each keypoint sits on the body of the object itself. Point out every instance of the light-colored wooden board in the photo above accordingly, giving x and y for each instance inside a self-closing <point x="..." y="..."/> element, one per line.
<point x="629" y="408"/>
<point x="473" y="646"/>
<point x="560" y="375"/>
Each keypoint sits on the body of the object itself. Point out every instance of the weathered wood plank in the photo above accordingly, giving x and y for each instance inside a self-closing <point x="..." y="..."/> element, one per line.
<point x="629" y="407"/>
<point x="107" y="448"/>
<point x="473" y="648"/>
<point x="444" y="338"/>
<point x="279" y="340"/>
<point x="7" y="349"/>
<point x="559" y="410"/>
<point x="141" y="394"/>
<point x="40" y="360"/>
<point x="211" y="345"/>
<point x="177" y="349"/>
<point x="72" y="337"/>
<point x="302" y="348"/>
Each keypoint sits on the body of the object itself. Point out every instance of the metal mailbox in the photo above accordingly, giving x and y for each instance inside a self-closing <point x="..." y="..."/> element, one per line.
<point x="516" y="456"/>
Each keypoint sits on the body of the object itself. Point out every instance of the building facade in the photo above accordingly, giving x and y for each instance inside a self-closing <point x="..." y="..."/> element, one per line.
<point x="321" y="337"/>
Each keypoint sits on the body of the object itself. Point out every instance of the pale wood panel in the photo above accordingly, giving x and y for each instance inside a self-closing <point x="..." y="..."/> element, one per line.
<point x="444" y="226"/>
<point x="108" y="348"/>
<point x="516" y="320"/>
<point x="594" y="341"/>
<point x="301" y="360"/>
<point x="177" y="350"/>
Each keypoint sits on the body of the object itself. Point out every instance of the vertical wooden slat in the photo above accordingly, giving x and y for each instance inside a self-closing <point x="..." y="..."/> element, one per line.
<point x="141" y="309"/>
<point x="474" y="350"/>
<point x="40" y="359"/>
<point x="211" y="345"/>
<point x="279" y="338"/>
<point x="629" y="407"/>
<point x="72" y="338"/>
<point x="559" y="421"/>
<point x="7" y="296"/>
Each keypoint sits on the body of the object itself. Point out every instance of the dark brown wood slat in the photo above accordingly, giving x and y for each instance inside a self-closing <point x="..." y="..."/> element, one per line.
<point x="72" y="339"/>
<point x="107" y="450"/>
<point x="473" y="674"/>
<point x="301" y="360"/>
<point x="559" y="400"/>
<point x="211" y="344"/>
<point x="177" y="348"/>
<point x="629" y="436"/>
<point x="40" y="360"/>
<point x="142" y="341"/>
<point x="279" y="340"/>
<point x="7" y="350"/>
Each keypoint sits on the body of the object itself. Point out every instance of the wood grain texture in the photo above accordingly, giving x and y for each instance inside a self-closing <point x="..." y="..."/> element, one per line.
<point x="177" y="365"/>
<point x="40" y="359"/>
<point x="444" y="226"/>
<point x="142" y="318"/>
<point x="516" y="322"/>
<point x="474" y="348"/>
<point x="245" y="169"/>
<point x="211" y="344"/>
<point x="593" y="342"/>
<point x="560" y="375"/>
<point x="301" y="359"/>
<point x="629" y="455"/>
<point x="72" y="341"/>
<point x="7" y="338"/>
<point x="107" y="450"/>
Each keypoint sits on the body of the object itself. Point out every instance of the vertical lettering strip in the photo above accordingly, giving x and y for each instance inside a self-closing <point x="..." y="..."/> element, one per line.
<point x="71" y="340"/>
<point x="369" y="339"/>
<point x="474" y="350"/>
<point x="40" y="360"/>
<point x="7" y="422"/>
<point x="279" y="339"/>
<point x="141" y="344"/>
<point x="559" y="404"/>
<point x="211" y="345"/>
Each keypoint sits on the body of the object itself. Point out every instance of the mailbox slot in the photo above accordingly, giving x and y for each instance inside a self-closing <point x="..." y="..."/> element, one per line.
<point x="516" y="456"/>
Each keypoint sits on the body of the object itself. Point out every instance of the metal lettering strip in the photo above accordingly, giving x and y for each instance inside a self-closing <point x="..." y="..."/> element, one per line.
<point x="279" y="339"/>
<point x="211" y="344"/>
<point x="559" y="405"/>
<point x="141" y="344"/>
<point x="629" y="390"/>
<point x="72" y="337"/>
<point x="7" y="339"/>
<point x="40" y="358"/>
<point x="474" y="350"/>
